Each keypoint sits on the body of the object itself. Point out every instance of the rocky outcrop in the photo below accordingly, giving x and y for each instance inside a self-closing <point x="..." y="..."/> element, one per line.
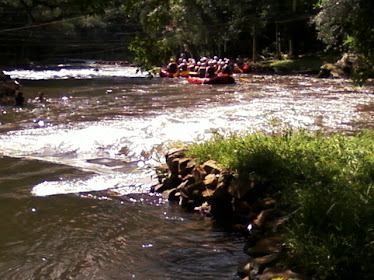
<point x="10" y="91"/>
<point x="233" y="202"/>
<point x="343" y="68"/>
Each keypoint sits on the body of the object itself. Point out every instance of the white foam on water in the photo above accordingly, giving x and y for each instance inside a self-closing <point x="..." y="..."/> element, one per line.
<point x="121" y="183"/>
<point x="98" y="146"/>
<point x="78" y="73"/>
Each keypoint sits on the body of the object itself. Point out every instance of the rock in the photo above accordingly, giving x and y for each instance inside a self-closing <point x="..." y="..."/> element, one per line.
<point x="344" y="67"/>
<point x="172" y="160"/>
<point x="245" y="269"/>
<point x="239" y="188"/>
<point x="211" y="181"/>
<point x="263" y="204"/>
<point x="167" y="184"/>
<point x="242" y="208"/>
<point x="171" y="195"/>
<point x="4" y="77"/>
<point x="220" y="203"/>
<point x="199" y="173"/>
<point x="275" y="272"/>
<point x="264" y="217"/>
<point x="331" y="70"/>
<point x="348" y="63"/>
<point x="207" y="193"/>
<point x="10" y="91"/>
<point x="211" y="167"/>
<point x="260" y="263"/>
<point x="191" y="195"/>
<point x="265" y="246"/>
<point x="185" y="166"/>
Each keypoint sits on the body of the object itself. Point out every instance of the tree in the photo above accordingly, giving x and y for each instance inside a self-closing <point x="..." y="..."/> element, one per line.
<point x="38" y="29"/>
<point x="348" y="25"/>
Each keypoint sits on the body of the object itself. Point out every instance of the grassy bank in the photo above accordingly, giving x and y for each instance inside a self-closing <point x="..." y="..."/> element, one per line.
<point x="323" y="184"/>
<point x="307" y="63"/>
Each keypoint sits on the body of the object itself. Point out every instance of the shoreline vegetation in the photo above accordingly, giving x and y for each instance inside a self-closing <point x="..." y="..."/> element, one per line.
<point x="304" y="200"/>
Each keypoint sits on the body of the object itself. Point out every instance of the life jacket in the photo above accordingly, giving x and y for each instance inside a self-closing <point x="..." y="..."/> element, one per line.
<point x="210" y="71"/>
<point x="173" y="67"/>
<point x="226" y="69"/>
<point x="202" y="71"/>
<point x="183" y="66"/>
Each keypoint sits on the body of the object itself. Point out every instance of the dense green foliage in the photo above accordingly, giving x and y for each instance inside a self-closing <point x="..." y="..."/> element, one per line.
<point x="57" y="29"/>
<point x="323" y="184"/>
<point x="155" y="30"/>
<point x="348" y="25"/>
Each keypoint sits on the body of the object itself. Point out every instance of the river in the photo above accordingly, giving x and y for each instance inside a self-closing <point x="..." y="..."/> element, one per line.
<point x="75" y="171"/>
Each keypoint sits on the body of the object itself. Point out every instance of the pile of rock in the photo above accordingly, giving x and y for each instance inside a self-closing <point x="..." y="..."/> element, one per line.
<point x="345" y="67"/>
<point x="10" y="91"/>
<point x="235" y="203"/>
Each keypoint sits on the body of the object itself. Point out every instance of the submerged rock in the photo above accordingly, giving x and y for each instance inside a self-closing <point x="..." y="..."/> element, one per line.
<point x="10" y="91"/>
<point x="235" y="203"/>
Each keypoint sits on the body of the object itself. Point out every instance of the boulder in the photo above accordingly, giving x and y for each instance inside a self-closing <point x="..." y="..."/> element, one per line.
<point x="211" y="167"/>
<point x="211" y="181"/>
<point x="347" y="65"/>
<point x="265" y="246"/>
<point x="331" y="70"/>
<point x="275" y="272"/>
<point x="221" y="204"/>
<point x="185" y="166"/>
<point x="264" y="217"/>
<point x="10" y="91"/>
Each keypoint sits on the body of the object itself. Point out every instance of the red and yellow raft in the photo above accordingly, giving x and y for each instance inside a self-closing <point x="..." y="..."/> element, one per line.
<point x="218" y="79"/>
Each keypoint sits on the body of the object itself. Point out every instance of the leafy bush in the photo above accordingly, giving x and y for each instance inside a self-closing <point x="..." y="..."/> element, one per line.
<point x="323" y="183"/>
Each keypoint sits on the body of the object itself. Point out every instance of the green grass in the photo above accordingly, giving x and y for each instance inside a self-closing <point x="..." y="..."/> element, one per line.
<point x="304" y="62"/>
<point x="324" y="183"/>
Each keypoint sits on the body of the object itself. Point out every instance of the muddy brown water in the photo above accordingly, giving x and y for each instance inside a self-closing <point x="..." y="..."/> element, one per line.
<point x="105" y="128"/>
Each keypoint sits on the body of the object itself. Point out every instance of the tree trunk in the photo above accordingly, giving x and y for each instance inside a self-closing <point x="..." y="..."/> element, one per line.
<point x="254" y="45"/>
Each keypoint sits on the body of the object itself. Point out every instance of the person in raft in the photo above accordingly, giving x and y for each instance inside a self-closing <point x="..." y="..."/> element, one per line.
<point x="204" y="67"/>
<point x="172" y="66"/>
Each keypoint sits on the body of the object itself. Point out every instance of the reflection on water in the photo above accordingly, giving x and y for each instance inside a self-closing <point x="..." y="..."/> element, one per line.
<point x="98" y="236"/>
<point x="104" y="129"/>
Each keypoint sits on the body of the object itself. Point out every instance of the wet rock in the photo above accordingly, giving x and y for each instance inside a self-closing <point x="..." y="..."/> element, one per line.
<point x="264" y="217"/>
<point x="242" y="208"/>
<point x="199" y="173"/>
<point x="275" y="272"/>
<point x="220" y="203"/>
<point x="239" y="188"/>
<point x="172" y="161"/>
<point x="349" y="63"/>
<point x="245" y="269"/>
<point x="167" y="184"/>
<point x="266" y="246"/>
<point x="211" y="181"/>
<point x="331" y="70"/>
<point x="260" y="263"/>
<point x="207" y="193"/>
<point x="10" y="91"/>
<point x="185" y="166"/>
<point x="191" y="195"/>
<point x="212" y="167"/>
<point x="172" y="194"/>
<point x="343" y="68"/>
<point x="4" y="77"/>
<point x="236" y="203"/>
<point x="263" y="204"/>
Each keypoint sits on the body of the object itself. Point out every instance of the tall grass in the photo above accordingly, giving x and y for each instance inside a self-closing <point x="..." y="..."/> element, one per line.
<point x="324" y="183"/>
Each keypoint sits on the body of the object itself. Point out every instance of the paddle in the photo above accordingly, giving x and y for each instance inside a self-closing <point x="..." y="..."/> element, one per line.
<point x="244" y="79"/>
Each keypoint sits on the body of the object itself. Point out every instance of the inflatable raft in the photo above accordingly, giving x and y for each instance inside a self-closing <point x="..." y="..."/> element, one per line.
<point x="246" y="68"/>
<point x="219" y="79"/>
<point x="166" y="74"/>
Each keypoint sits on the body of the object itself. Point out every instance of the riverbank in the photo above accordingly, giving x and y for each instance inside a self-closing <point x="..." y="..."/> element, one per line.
<point x="304" y="200"/>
